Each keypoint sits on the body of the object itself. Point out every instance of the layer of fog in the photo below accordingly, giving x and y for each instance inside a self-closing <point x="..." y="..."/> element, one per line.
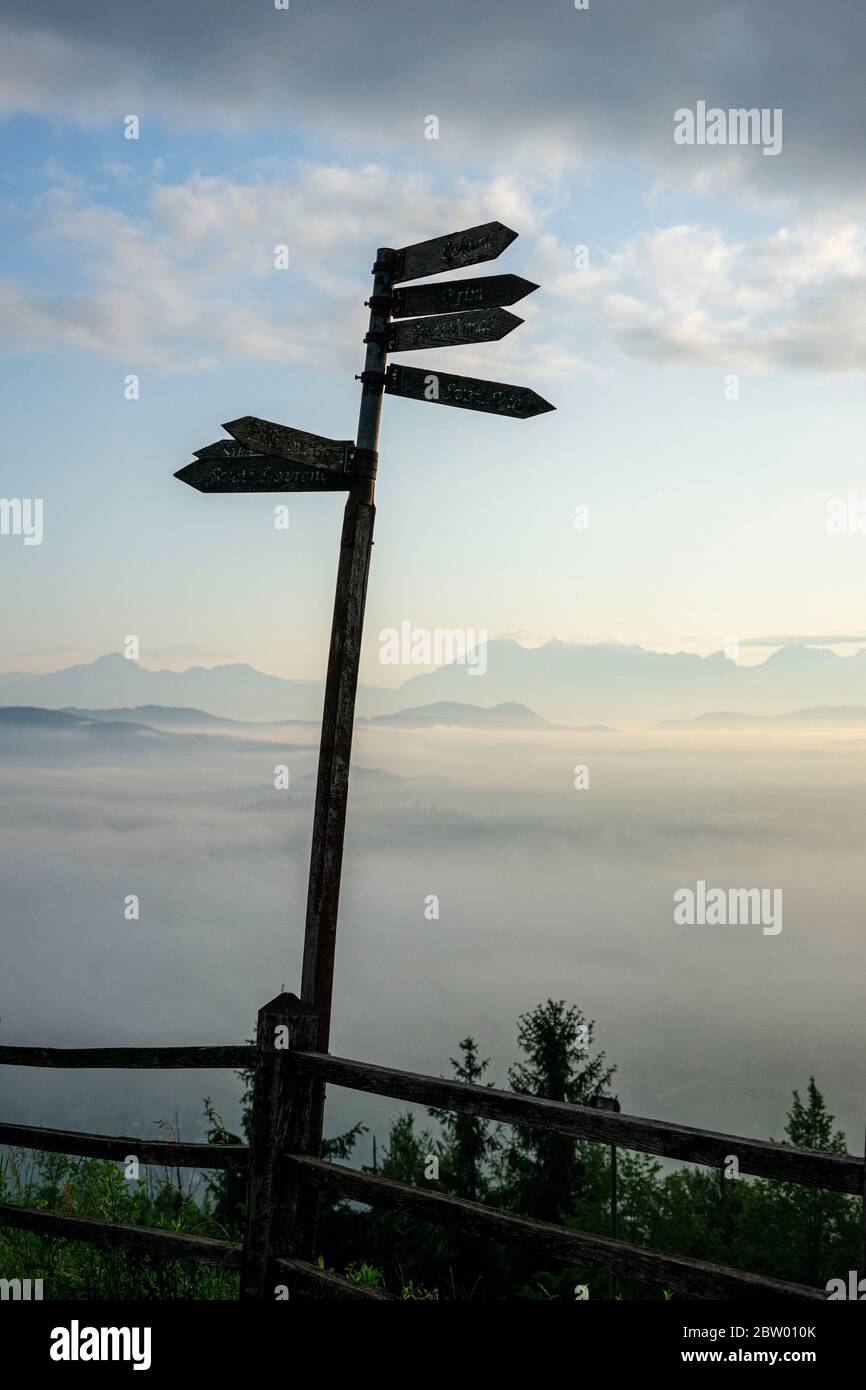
<point x="544" y="890"/>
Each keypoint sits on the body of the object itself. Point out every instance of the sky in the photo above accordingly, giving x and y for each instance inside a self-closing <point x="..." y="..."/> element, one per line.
<point x="705" y="357"/>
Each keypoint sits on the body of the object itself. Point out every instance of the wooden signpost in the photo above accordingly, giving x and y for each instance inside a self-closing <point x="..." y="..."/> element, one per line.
<point x="448" y="330"/>
<point x="484" y="292"/>
<point x="467" y="392"/>
<point x="263" y="456"/>
<point x="260" y="473"/>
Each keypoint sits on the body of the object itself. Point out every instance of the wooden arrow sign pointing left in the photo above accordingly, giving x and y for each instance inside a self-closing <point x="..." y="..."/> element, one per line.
<point x="283" y="442"/>
<point x="259" y="473"/>
<point x="448" y="330"/>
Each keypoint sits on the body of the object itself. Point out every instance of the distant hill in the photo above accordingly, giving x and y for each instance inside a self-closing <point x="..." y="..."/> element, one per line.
<point x="818" y="716"/>
<point x="111" y="682"/>
<point x="161" y="716"/>
<point x="27" y="730"/>
<point x="456" y="712"/>
<point x="589" y="684"/>
<point x="628" y="685"/>
<point x="28" y="719"/>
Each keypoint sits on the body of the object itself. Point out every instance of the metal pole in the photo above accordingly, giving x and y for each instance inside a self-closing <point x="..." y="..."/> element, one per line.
<point x="335" y="748"/>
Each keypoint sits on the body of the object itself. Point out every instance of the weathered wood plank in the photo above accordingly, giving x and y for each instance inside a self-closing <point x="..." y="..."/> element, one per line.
<point x="235" y="1058"/>
<point x="321" y="1283"/>
<point x="447" y="296"/>
<point x="259" y="474"/>
<point x="285" y="442"/>
<point x="465" y="392"/>
<point x="282" y="1024"/>
<point x="474" y="244"/>
<point x="757" y="1157"/>
<point x="695" y="1278"/>
<point x="452" y="330"/>
<point x="156" y="1151"/>
<point x="110" y="1235"/>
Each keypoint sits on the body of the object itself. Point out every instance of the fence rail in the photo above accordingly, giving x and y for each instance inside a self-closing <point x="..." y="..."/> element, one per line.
<point x="234" y="1058"/>
<point x="113" y="1235"/>
<point x="757" y="1157"/>
<point x="285" y="1176"/>
<point x="543" y="1239"/>
<point x="155" y="1151"/>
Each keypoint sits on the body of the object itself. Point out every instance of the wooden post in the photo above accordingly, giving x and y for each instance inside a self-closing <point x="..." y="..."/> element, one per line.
<point x="862" y="1270"/>
<point x="280" y="1219"/>
<point x="335" y="748"/>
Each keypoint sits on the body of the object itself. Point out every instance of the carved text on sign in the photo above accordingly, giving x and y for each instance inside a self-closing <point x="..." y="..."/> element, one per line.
<point x="470" y="393"/>
<point x="448" y="330"/>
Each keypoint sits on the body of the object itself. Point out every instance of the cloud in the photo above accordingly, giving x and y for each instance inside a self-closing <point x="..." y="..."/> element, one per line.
<point x="826" y="639"/>
<point x="190" y="280"/>
<point x="511" y="82"/>
<point x="187" y="279"/>
<point x="691" y="295"/>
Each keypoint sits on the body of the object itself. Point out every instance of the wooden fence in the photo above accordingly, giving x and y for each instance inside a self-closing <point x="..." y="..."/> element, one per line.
<point x="285" y="1175"/>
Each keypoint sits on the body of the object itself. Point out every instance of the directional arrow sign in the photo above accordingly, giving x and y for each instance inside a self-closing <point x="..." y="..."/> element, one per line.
<point x="482" y="243"/>
<point x="469" y="392"/>
<point x="446" y="330"/>
<point x="259" y="473"/>
<point x="484" y="292"/>
<point x="264" y="437"/>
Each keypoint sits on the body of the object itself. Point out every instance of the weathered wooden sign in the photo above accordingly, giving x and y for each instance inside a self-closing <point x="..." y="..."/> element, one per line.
<point x="476" y="244"/>
<point x="314" y="450"/>
<point x="484" y="292"/>
<point x="468" y="392"/>
<point x="449" y="330"/>
<point x="259" y="473"/>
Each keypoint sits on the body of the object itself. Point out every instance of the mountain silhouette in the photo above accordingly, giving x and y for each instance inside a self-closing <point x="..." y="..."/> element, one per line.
<point x="602" y="683"/>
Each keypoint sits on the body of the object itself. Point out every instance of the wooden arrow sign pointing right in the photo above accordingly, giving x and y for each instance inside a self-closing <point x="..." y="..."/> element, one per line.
<point x="313" y="450"/>
<point x="259" y="473"/>
<point x="484" y="292"/>
<point x="450" y="252"/>
<point x="468" y="392"/>
<point x="448" y="330"/>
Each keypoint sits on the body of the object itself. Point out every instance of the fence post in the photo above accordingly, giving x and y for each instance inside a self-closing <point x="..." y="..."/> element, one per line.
<point x="280" y="1220"/>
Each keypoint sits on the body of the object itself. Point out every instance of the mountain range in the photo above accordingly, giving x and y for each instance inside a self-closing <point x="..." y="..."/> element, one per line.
<point x="562" y="682"/>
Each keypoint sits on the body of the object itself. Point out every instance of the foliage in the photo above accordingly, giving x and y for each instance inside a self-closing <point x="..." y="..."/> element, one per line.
<point x="800" y="1234"/>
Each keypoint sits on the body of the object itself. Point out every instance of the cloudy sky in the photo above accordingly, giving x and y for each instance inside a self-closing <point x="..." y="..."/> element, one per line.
<point x="706" y="361"/>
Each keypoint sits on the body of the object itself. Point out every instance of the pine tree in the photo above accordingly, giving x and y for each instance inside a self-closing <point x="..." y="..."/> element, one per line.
<point x="818" y="1221"/>
<point x="541" y="1168"/>
<point x="467" y="1142"/>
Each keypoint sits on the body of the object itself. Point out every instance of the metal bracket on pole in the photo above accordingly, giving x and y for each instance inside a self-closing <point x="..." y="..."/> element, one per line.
<point x="363" y="463"/>
<point x="374" y="379"/>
